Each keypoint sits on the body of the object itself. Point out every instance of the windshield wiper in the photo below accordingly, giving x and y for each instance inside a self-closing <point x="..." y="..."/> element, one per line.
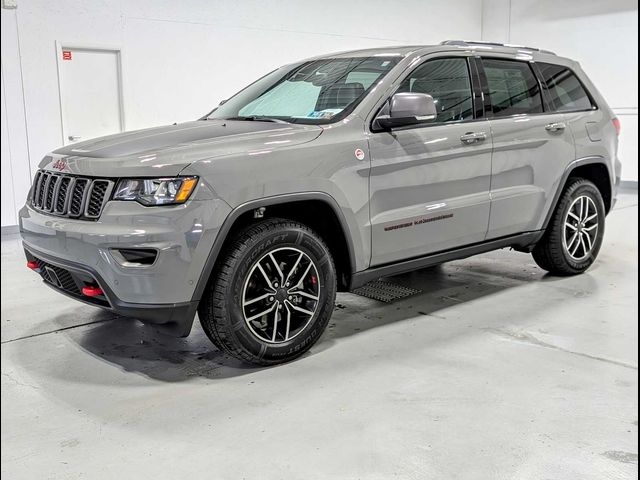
<point x="257" y="118"/>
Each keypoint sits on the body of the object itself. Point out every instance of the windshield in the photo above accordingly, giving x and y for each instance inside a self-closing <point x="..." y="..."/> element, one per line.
<point x="319" y="91"/>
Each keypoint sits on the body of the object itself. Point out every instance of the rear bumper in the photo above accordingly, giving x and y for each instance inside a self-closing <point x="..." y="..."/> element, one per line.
<point x="617" y="170"/>
<point x="68" y="278"/>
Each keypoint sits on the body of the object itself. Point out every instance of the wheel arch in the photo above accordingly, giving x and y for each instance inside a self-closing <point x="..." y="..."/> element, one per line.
<point x="592" y="168"/>
<point x="318" y="210"/>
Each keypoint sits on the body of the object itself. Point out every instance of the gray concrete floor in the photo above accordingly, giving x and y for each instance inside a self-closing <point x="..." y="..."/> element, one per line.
<point x="495" y="371"/>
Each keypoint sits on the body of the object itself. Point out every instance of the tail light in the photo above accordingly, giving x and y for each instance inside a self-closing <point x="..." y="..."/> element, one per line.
<point x="617" y="125"/>
<point x="32" y="265"/>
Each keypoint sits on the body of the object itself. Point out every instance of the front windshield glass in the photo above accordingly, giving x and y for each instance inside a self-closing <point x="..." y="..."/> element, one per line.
<point x="319" y="91"/>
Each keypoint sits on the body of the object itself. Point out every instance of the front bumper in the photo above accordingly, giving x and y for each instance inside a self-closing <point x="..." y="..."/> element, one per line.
<point x="161" y="293"/>
<point x="69" y="278"/>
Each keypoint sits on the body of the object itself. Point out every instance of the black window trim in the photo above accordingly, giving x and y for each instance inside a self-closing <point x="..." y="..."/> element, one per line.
<point x="553" y="107"/>
<point x="484" y="85"/>
<point x="474" y="82"/>
<point x="546" y="107"/>
<point x="479" y="103"/>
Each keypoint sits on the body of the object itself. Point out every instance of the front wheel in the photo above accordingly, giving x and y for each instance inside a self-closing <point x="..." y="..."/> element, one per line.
<point x="272" y="293"/>
<point x="574" y="236"/>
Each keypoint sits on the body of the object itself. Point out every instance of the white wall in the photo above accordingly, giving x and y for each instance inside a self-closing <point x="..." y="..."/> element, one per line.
<point x="180" y="58"/>
<point x="601" y="35"/>
<point x="16" y="176"/>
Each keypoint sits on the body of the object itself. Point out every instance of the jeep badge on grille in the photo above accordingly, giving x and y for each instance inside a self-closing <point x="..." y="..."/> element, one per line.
<point x="59" y="164"/>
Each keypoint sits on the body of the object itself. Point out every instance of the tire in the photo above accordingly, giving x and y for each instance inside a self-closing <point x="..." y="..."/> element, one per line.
<point x="252" y="267"/>
<point x="558" y="251"/>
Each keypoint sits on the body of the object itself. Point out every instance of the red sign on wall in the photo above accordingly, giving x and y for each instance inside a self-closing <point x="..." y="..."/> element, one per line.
<point x="66" y="54"/>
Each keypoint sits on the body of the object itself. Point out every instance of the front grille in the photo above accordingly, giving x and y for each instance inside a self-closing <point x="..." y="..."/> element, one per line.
<point x="51" y="186"/>
<point x="69" y="195"/>
<point x="63" y="190"/>
<point x="96" y="198"/>
<point x="78" y="197"/>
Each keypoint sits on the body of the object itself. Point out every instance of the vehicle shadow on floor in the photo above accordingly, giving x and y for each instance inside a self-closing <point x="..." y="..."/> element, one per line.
<point x="135" y="347"/>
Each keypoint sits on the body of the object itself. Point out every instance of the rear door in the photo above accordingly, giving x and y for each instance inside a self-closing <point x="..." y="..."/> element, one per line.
<point x="532" y="145"/>
<point x="569" y="96"/>
<point x="430" y="182"/>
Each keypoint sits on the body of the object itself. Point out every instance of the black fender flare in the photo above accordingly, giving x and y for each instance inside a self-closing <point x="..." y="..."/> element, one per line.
<point x="205" y="275"/>
<point x="590" y="160"/>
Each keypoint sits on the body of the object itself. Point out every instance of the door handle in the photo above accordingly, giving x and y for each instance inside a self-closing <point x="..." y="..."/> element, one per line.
<point x="473" y="137"/>
<point x="555" y="127"/>
<point x="73" y="138"/>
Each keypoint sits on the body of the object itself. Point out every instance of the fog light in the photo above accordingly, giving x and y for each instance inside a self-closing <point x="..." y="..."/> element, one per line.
<point x="32" y="265"/>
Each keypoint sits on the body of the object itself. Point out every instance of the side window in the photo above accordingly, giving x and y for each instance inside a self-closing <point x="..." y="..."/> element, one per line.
<point x="513" y="87"/>
<point x="566" y="91"/>
<point x="447" y="81"/>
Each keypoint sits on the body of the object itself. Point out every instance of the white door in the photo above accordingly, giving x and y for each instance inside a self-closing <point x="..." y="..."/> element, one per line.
<point x="90" y="93"/>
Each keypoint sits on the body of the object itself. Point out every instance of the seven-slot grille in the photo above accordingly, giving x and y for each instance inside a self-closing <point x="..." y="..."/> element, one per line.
<point x="70" y="196"/>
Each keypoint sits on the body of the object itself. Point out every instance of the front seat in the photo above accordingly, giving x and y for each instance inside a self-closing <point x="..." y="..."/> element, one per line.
<point x="339" y="95"/>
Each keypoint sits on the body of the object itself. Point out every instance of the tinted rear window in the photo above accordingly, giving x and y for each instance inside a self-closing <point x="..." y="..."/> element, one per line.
<point x="513" y="87"/>
<point x="566" y="91"/>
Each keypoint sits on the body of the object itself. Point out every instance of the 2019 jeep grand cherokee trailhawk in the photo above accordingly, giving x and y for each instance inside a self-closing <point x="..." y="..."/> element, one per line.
<point x="322" y="176"/>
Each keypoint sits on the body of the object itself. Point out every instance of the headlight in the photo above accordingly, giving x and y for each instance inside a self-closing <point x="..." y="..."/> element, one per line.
<point x="156" y="191"/>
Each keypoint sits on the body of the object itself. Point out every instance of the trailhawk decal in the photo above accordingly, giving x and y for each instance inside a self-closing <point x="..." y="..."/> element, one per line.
<point x="420" y="221"/>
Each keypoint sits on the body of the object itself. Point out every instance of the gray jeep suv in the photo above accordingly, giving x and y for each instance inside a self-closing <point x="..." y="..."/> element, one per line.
<point x="322" y="176"/>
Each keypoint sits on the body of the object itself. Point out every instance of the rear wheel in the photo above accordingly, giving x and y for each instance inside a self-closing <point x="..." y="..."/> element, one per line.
<point x="272" y="295"/>
<point x="574" y="236"/>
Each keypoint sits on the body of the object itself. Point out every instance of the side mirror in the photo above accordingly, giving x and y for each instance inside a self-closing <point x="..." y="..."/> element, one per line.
<point x="407" y="108"/>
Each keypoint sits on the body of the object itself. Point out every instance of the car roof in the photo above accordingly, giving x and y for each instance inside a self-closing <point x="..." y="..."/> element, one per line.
<point x="480" y="48"/>
<point x="400" y="50"/>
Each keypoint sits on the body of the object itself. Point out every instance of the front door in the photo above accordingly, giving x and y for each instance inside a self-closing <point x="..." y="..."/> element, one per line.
<point x="430" y="183"/>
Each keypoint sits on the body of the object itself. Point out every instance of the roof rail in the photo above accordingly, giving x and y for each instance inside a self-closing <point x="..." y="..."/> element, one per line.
<point x="465" y="43"/>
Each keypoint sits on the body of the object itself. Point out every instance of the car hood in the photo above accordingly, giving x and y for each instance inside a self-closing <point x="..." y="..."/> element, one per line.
<point x="169" y="149"/>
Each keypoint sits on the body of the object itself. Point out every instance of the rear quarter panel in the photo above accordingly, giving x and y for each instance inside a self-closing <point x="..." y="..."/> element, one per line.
<point x="594" y="132"/>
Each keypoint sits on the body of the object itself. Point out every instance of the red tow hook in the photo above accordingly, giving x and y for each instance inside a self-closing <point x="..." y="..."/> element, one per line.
<point x="92" y="291"/>
<point x="32" y="265"/>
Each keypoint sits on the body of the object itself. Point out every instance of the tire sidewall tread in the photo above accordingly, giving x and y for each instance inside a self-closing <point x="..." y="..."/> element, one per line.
<point x="221" y="313"/>
<point x="550" y="253"/>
